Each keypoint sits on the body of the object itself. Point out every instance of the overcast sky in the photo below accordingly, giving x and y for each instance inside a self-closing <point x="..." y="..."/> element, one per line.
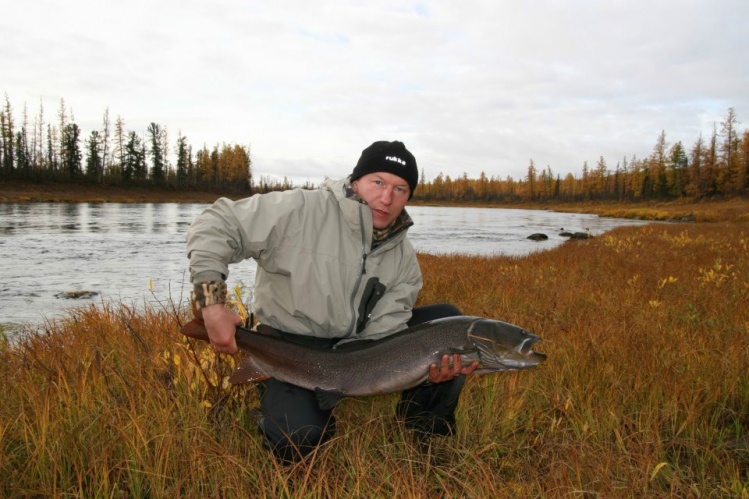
<point x="469" y="86"/>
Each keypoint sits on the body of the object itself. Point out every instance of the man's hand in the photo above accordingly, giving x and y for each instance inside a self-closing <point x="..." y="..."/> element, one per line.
<point x="221" y="324"/>
<point x="446" y="372"/>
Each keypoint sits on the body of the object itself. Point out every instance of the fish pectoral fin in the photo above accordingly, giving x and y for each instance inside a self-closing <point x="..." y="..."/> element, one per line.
<point x="247" y="373"/>
<point x="488" y="359"/>
<point x="327" y="399"/>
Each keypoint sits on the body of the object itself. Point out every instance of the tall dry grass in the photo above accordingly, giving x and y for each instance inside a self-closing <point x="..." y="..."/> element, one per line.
<point x="645" y="392"/>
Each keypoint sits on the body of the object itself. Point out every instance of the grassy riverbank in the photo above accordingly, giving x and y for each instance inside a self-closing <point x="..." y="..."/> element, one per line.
<point x="645" y="392"/>
<point x="15" y="191"/>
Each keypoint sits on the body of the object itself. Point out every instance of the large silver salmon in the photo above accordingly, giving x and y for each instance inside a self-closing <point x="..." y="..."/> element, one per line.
<point x="392" y="364"/>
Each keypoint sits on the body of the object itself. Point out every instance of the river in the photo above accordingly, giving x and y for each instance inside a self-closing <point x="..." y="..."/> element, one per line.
<point x="135" y="253"/>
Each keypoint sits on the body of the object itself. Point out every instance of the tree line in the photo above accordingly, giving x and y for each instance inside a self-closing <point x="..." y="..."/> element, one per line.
<point x="55" y="151"/>
<point x="716" y="166"/>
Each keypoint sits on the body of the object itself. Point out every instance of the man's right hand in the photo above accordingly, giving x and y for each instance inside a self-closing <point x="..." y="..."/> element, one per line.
<point x="221" y="324"/>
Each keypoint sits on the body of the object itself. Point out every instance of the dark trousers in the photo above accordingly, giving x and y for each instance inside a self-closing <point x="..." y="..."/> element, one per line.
<point x="293" y="424"/>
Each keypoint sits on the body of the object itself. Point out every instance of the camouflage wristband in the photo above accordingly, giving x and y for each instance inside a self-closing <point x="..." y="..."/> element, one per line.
<point x="209" y="293"/>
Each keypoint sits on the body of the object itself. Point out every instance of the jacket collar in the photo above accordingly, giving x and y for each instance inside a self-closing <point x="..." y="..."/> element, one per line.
<point x="354" y="210"/>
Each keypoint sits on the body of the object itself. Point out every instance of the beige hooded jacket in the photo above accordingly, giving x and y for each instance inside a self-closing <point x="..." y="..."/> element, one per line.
<point x="317" y="274"/>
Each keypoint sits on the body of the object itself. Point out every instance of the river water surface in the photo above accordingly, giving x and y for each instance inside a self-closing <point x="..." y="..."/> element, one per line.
<point x="135" y="253"/>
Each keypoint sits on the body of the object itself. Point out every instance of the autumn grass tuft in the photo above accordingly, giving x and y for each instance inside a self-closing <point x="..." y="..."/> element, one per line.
<point x="645" y="392"/>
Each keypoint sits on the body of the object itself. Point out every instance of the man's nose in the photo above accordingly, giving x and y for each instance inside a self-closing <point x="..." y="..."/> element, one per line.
<point x="387" y="195"/>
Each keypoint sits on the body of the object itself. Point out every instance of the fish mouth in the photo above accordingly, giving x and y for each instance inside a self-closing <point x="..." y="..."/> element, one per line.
<point x="526" y="346"/>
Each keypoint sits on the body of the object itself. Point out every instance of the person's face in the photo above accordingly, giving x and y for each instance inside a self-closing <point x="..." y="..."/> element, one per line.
<point x="385" y="193"/>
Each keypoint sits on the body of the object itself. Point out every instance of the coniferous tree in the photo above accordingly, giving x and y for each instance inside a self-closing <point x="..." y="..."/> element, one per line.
<point x="215" y="167"/>
<point x="158" y="171"/>
<point x="190" y="167"/>
<point x="120" y="143"/>
<point x="679" y="165"/>
<point x="23" y="162"/>
<point x="23" y="153"/>
<point x="7" y="135"/>
<point x="183" y="161"/>
<point x="105" y="159"/>
<point x="203" y="173"/>
<point x="658" y="167"/>
<point x="134" y="169"/>
<point x="729" y="151"/>
<point x="710" y="172"/>
<point x="165" y="152"/>
<point x="585" y="188"/>
<point x="94" y="162"/>
<point x="53" y="158"/>
<point x="62" y="123"/>
<point x="695" y="187"/>
<point x="601" y="174"/>
<point x="39" y="151"/>
<point x="531" y="180"/>
<point x="71" y="151"/>
<point x="617" y="187"/>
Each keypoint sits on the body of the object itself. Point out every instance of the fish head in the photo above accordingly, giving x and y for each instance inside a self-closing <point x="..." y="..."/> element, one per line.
<point x="502" y="346"/>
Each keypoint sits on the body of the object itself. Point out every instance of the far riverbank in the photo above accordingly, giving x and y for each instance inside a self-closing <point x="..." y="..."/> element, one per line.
<point x="733" y="209"/>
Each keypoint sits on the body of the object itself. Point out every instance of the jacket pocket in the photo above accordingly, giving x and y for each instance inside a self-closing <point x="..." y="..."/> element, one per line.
<point x="373" y="291"/>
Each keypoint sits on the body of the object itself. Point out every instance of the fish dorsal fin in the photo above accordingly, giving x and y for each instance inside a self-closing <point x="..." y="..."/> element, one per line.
<point x="327" y="399"/>
<point x="247" y="373"/>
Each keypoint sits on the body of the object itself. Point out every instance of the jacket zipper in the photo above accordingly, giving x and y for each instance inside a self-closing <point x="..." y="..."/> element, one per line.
<point x="362" y="271"/>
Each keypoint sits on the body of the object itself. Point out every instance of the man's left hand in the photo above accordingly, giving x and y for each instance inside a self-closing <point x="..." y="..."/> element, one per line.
<point x="445" y="371"/>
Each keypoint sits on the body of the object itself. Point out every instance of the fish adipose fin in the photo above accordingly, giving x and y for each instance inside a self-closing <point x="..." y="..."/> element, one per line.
<point x="326" y="400"/>
<point x="247" y="373"/>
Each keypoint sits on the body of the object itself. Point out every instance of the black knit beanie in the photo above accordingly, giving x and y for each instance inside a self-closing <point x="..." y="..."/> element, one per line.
<point x="390" y="157"/>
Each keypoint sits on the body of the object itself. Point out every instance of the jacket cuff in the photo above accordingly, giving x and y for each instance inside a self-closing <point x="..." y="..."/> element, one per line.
<point x="208" y="293"/>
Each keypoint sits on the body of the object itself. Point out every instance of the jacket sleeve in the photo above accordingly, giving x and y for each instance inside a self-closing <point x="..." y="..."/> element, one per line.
<point x="232" y="231"/>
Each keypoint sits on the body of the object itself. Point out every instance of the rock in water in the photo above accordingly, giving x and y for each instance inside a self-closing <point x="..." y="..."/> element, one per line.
<point x="77" y="295"/>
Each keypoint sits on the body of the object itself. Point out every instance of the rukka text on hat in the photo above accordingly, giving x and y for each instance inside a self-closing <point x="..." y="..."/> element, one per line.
<point x="389" y="157"/>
